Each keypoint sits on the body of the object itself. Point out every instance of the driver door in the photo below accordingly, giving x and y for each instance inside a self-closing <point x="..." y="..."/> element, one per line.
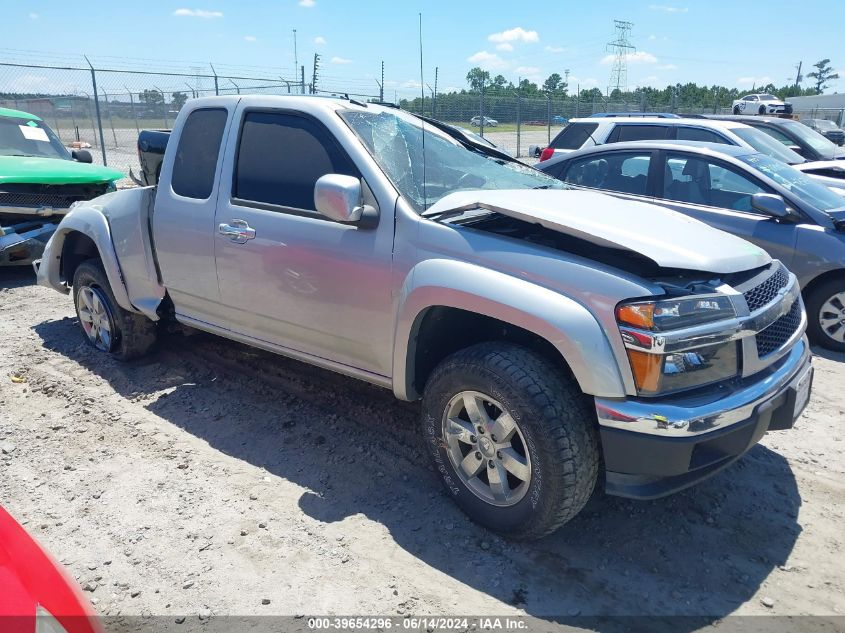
<point x="719" y="194"/>
<point x="289" y="276"/>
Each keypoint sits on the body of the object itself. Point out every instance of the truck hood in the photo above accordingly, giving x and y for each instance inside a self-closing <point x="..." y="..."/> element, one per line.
<point x="668" y="238"/>
<point x="53" y="171"/>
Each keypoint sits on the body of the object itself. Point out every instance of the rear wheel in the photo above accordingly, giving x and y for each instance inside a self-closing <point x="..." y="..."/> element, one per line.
<point x="736" y="109"/>
<point x="514" y="442"/>
<point x="107" y="326"/>
<point x="826" y="314"/>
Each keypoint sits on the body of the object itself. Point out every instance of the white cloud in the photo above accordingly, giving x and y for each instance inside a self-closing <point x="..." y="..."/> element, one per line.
<point x="307" y="3"/>
<point x="197" y="13"/>
<point x="340" y="60"/>
<point x="516" y="34"/>
<point x="488" y="61"/>
<point x="667" y="67"/>
<point x="555" y="49"/>
<point x="667" y="8"/>
<point x="651" y="38"/>
<point x="34" y="16"/>
<point x="250" y="38"/>
<point x="319" y="40"/>
<point x="638" y="57"/>
<point x="504" y="46"/>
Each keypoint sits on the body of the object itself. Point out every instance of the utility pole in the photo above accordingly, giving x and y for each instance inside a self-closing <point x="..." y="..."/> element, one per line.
<point x="295" y="57"/>
<point x="798" y="78"/>
<point x="621" y="47"/>
<point x="434" y="99"/>
<point x="566" y="78"/>
<point x="314" y="73"/>
<point x="381" y="85"/>
<point x="302" y="78"/>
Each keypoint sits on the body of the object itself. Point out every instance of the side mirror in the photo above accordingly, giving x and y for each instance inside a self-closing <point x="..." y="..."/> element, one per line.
<point x="338" y="197"/>
<point x="82" y="156"/>
<point x="770" y="204"/>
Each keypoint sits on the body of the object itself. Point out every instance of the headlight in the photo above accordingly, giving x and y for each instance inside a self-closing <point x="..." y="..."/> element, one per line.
<point x="45" y="622"/>
<point x="667" y="348"/>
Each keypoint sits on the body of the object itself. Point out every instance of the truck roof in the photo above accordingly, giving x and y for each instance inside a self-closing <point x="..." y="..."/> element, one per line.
<point x="18" y="114"/>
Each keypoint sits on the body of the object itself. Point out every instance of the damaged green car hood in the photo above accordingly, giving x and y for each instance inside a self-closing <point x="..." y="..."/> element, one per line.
<point x="53" y="171"/>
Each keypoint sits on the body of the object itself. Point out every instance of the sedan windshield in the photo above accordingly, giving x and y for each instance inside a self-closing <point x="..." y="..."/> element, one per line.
<point x="765" y="144"/>
<point x="811" y="138"/>
<point x="796" y="182"/>
<point x="25" y="137"/>
<point x="425" y="164"/>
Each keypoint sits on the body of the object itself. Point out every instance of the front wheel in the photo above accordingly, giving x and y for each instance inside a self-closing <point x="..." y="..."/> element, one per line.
<point x="826" y="314"/>
<point x="736" y="109"/>
<point x="761" y="110"/>
<point x="514" y="442"/>
<point x="108" y="327"/>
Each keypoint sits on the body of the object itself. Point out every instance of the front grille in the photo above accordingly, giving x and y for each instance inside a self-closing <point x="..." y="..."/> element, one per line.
<point x="779" y="332"/>
<point x="56" y="196"/>
<point x="763" y="294"/>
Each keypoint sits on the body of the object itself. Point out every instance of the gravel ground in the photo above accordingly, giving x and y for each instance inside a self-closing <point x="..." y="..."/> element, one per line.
<point x="214" y="478"/>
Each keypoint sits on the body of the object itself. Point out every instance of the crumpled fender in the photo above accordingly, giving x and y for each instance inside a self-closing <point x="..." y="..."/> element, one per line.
<point x="563" y="322"/>
<point x="89" y="221"/>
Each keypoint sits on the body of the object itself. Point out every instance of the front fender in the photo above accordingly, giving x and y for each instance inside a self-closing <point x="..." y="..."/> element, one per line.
<point x="89" y="221"/>
<point x="563" y="322"/>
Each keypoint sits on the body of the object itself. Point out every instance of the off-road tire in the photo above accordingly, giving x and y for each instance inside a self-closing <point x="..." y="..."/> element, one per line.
<point x="552" y="414"/>
<point x="134" y="334"/>
<point x="814" y="300"/>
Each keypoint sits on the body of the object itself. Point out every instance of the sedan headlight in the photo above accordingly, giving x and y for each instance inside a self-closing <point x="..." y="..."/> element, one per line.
<point x="669" y="346"/>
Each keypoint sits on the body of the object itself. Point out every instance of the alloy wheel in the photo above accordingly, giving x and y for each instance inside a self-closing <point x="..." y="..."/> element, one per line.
<point x="95" y="317"/>
<point x="832" y="317"/>
<point x="486" y="448"/>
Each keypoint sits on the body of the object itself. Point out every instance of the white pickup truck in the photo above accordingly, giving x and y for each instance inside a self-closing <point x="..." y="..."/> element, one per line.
<point x="559" y="340"/>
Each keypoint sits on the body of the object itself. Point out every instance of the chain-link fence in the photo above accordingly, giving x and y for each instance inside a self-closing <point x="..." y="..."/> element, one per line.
<point x="104" y="109"/>
<point x="518" y="123"/>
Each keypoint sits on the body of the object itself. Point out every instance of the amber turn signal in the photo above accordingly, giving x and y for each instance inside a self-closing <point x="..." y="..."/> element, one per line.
<point x="637" y="314"/>
<point x="647" y="369"/>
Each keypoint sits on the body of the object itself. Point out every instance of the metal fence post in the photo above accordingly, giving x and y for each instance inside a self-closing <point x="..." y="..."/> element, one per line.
<point x="518" y="122"/>
<point x="97" y="109"/>
<point x="216" y="87"/>
<point x="132" y="105"/>
<point x="481" y="108"/>
<point x="164" y="106"/>
<point x="111" y="120"/>
<point x="549" y="117"/>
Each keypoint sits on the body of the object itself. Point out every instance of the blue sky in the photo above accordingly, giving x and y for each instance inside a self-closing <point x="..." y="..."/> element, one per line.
<point x="725" y="42"/>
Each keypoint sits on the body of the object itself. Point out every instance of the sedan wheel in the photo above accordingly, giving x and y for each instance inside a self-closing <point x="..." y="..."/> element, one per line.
<point x="486" y="448"/>
<point x="832" y="317"/>
<point x="95" y="317"/>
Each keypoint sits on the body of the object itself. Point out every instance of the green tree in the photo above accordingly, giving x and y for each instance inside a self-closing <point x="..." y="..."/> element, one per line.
<point x="151" y="97"/>
<point x="822" y="75"/>
<point x="178" y="99"/>
<point x="477" y="79"/>
<point x="499" y="82"/>
<point x="554" y="84"/>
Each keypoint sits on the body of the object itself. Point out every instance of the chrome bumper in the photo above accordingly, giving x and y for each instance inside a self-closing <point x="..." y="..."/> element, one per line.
<point x="693" y="415"/>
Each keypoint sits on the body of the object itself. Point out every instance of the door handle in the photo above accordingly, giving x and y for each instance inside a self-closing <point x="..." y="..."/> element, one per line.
<point x="238" y="231"/>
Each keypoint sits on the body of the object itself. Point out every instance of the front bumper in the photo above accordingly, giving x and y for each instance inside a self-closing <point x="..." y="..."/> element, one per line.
<point x="655" y="447"/>
<point x="23" y="243"/>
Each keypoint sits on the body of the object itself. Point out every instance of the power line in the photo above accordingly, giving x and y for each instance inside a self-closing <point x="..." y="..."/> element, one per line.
<point x="621" y="47"/>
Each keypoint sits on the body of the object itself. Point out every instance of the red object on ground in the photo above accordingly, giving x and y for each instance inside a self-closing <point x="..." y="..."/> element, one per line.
<point x="32" y="581"/>
<point x="546" y="154"/>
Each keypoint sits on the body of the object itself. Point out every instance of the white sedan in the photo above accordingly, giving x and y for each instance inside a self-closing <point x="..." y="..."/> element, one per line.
<point x="761" y="104"/>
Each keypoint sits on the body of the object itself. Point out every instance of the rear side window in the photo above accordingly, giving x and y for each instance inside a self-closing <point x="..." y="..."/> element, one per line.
<point x="281" y="157"/>
<point x="573" y="136"/>
<point x="622" y="172"/>
<point x="637" y="133"/>
<point x="700" y="134"/>
<point x="196" y="155"/>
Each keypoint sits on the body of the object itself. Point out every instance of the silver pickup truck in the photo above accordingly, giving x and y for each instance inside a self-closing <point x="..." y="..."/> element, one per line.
<point x="562" y="342"/>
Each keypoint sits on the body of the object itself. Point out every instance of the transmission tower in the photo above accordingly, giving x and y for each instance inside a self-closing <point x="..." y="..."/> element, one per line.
<point x="621" y="47"/>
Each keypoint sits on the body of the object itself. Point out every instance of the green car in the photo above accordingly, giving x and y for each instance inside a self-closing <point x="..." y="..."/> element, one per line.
<point x="39" y="181"/>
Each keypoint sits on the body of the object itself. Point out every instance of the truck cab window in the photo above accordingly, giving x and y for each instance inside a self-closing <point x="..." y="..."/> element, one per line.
<point x="281" y="157"/>
<point x="196" y="156"/>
